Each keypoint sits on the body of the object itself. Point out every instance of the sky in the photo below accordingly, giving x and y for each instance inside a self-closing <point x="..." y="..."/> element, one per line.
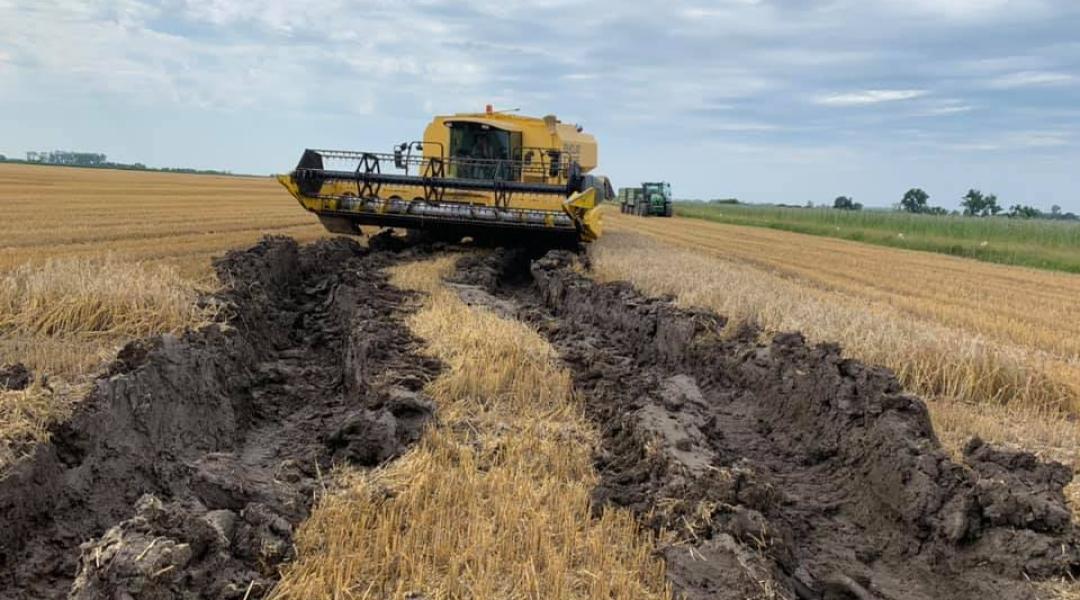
<point x="761" y="100"/>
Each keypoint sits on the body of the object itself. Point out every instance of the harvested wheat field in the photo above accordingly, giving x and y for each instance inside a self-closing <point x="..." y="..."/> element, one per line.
<point x="997" y="346"/>
<point x="90" y="258"/>
<point x="176" y="219"/>
<point x="691" y="410"/>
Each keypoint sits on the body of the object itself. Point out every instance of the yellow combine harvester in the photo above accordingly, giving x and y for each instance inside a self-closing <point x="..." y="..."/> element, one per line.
<point x="491" y="176"/>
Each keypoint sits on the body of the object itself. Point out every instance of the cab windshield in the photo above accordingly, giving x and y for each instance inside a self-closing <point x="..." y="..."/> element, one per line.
<point x="475" y="148"/>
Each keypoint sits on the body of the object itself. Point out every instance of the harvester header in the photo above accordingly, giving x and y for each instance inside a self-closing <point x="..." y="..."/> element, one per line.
<point x="491" y="176"/>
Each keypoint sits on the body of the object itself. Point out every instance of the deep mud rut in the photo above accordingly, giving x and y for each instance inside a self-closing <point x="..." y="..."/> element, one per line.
<point x="189" y="464"/>
<point x="785" y="470"/>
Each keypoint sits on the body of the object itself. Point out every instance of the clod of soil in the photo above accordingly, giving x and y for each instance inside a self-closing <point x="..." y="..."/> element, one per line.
<point x="15" y="377"/>
<point x="787" y="470"/>
<point x="185" y="470"/>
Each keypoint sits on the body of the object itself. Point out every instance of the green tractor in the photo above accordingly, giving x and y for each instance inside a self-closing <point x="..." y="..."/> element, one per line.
<point x="651" y="199"/>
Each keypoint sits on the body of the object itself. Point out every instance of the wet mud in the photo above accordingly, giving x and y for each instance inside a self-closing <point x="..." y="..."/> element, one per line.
<point x="186" y="469"/>
<point x="15" y="377"/>
<point x="784" y="469"/>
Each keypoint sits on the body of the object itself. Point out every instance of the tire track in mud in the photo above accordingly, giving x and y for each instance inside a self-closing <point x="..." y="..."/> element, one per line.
<point x="786" y="470"/>
<point x="186" y="469"/>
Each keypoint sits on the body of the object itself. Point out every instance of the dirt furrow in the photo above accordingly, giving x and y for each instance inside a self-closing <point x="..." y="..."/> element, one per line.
<point x="784" y="469"/>
<point x="186" y="469"/>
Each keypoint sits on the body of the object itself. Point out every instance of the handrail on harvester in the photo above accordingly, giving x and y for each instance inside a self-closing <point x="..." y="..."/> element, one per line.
<point x="436" y="174"/>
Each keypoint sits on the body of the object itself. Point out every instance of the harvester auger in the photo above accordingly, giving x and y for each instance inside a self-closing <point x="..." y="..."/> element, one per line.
<point x="495" y="177"/>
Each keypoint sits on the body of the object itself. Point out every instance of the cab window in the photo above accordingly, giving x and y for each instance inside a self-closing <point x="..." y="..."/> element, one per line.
<point x="474" y="148"/>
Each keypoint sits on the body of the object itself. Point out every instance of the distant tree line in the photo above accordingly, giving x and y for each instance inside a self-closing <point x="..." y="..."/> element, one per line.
<point x="1022" y="211"/>
<point x="99" y="161"/>
<point x="64" y="157"/>
<point x="977" y="204"/>
<point x="973" y="204"/>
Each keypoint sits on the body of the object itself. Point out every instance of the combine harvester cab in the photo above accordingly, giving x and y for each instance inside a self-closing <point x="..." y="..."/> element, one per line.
<point x="495" y="177"/>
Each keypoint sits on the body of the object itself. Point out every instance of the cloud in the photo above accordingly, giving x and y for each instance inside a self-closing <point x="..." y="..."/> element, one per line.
<point x="868" y="97"/>
<point x="223" y="54"/>
<point x="742" y="126"/>
<point x="998" y="65"/>
<point x="941" y="111"/>
<point x="1027" y="141"/>
<point x="1039" y="139"/>
<point x="941" y="107"/>
<point x="970" y="146"/>
<point x="1024" y="79"/>
<point x="970" y="10"/>
<point x="783" y="77"/>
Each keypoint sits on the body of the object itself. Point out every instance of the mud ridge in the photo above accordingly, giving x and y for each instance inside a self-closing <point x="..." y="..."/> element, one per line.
<point x="187" y="467"/>
<point x="785" y="469"/>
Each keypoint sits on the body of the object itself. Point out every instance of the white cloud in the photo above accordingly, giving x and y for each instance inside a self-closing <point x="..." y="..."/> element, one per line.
<point x="942" y="111"/>
<point x="997" y="65"/>
<point x="1004" y="141"/>
<point x="1024" y="79"/>
<point x="714" y="18"/>
<point x="816" y="57"/>
<point x="972" y="147"/>
<point x="867" y="97"/>
<point x="1039" y="139"/>
<point x="942" y="107"/>
<point x="780" y="75"/>
<point x="742" y="126"/>
<point x="969" y="10"/>
<point x="226" y="54"/>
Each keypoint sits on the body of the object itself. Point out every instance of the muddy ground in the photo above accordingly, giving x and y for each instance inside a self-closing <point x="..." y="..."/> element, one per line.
<point x="15" y="377"/>
<point x="785" y="469"/>
<point x="188" y="466"/>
